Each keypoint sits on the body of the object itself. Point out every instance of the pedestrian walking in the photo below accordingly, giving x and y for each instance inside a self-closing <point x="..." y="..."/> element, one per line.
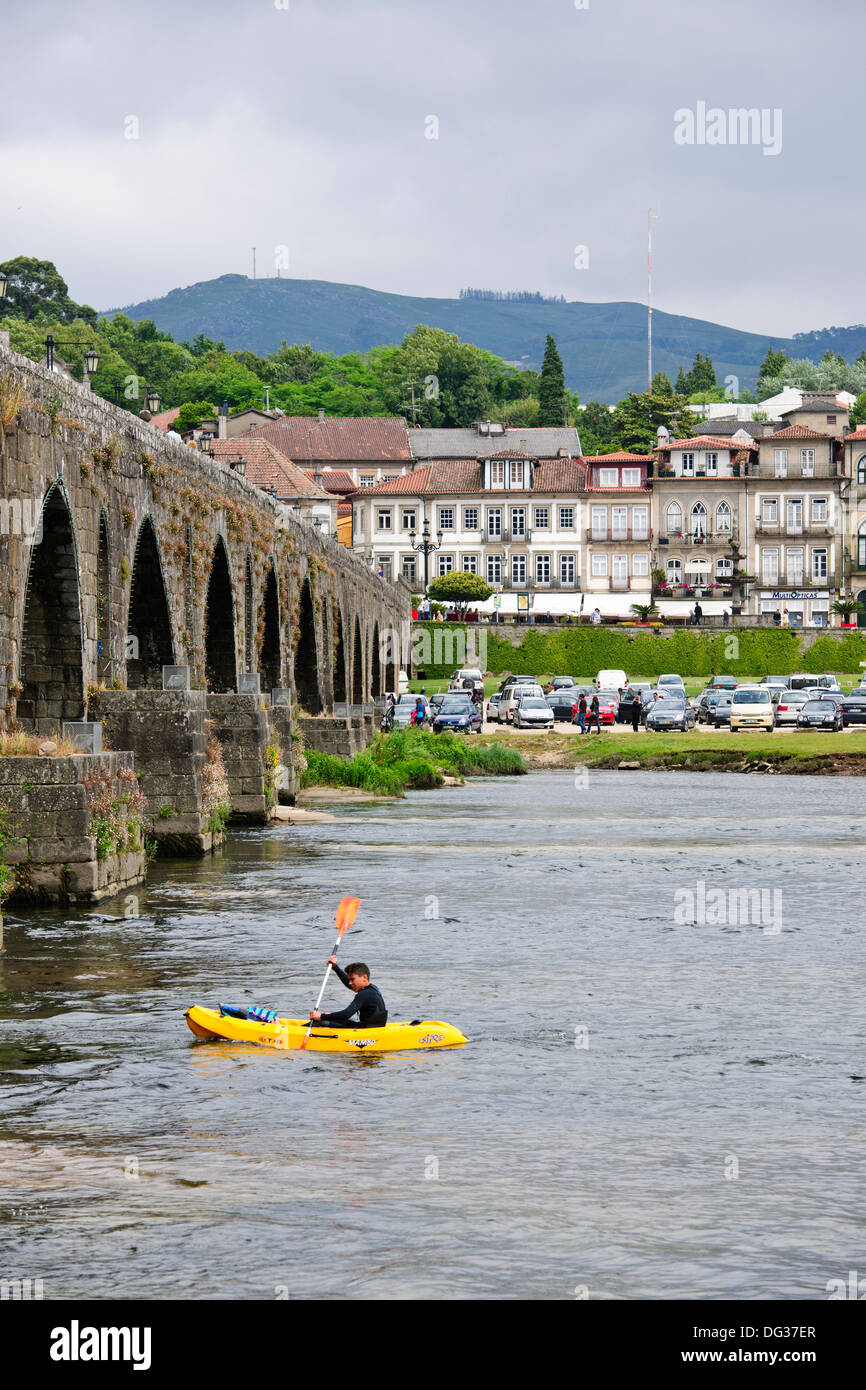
<point x="580" y="714"/>
<point x="594" y="715"/>
<point x="635" y="710"/>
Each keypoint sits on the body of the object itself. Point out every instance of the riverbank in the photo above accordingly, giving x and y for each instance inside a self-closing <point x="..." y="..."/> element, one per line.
<point x="835" y="755"/>
<point x="412" y="759"/>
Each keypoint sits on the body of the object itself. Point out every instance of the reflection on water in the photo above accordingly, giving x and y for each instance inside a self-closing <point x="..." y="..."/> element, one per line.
<point x="617" y="1062"/>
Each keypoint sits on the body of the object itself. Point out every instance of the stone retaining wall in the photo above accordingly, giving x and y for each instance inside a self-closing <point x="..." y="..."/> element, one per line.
<point x="50" y="831"/>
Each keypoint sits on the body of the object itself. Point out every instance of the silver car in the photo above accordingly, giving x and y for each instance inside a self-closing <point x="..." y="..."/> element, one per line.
<point x="533" y="713"/>
<point x="787" y="705"/>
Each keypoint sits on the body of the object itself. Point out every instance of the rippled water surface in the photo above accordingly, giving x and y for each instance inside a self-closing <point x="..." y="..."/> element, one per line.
<point x="706" y="1143"/>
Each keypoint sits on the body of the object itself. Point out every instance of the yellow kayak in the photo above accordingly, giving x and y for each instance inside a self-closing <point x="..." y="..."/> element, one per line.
<point x="288" y="1033"/>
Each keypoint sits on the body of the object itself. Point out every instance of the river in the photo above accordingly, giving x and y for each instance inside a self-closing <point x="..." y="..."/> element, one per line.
<point x="649" y="1107"/>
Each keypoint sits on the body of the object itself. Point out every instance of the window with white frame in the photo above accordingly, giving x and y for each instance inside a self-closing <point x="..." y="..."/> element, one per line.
<point x="407" y="519"/>
<point x="640" y="523"/>
<point x="819" y="509"/>
<point x="711" y="464"/>
<point x="631" y="477"/>
<point x="469" y="564"/>
<point x="518" y="522"/>
<point x="542" y="518"/>
<point x="619" y="523"/>
<point x="770" y="511"/>
<point x="494" y="522"/>
<point x="470" y="518"/>
<point x="494" y="569"/>
<point x="674" y="519"/>
<point x="608" y="477"/>
<point x="518" y="569"/>
<point x="599" y="566"/>
<point x="383" y="518"/>
<point x="794" y="566"/>
<point x="446" y="518"/>
<point x="807" y="463"/>
<point x="723" y="517"/>
<point x="861" y="547"/>
<point x="599" y="523"/>
<point x="566" y="566"/>
<point x="780" y="463"/>
<point x="861" y="470"/>
<point x="698" y="520"/>
<point x="409" y="568"/>
<point x="688" y="463"/>
<point x="445" y="564"/>
<point x="542" y="569"/>
<point x="724" y="567"/>
<point x="769" y="566"/>
<point x="794" y="514"/>
<point x="566" y="518"/>
<point x="819" y="563"/>
<point x="674" y="570"/>
<point x="367" y="480"/>
<point x="517" y="472"/>
<point x="497" y="473"/>
<point x="384" y="564"/>
<point x="640" y="565"/>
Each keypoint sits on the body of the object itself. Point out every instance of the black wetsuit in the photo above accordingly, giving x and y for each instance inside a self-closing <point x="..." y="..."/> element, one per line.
<point x="368" y="1004"/>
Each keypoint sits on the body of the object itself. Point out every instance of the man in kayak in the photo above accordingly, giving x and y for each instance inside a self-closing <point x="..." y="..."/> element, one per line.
<point x="368" y="1003"/>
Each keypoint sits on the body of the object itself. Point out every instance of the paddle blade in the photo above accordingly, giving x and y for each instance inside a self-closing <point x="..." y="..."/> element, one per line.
<point x="346" y="914"/>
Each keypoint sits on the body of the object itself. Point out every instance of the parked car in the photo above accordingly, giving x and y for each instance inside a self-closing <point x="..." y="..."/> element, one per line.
<point x="820" y="714"/>
<point x="517" y="680"/>
<point x="608" y="703"/>
<point x="436" y="700"/>
<point x="783" y="682"/>
<point x="719" y="713"/>
<point x="560" y="682"/>
<point x="458" y="713"/>
<point x="647" y="700"/>
<point x="607" y="680"/>
<point x="671" y="682"/>
<point x="400" y="715"/>
<point x="787" y="704"/>
<point x="533" y="713"/>
<point x="704" y="703"/>
<point x="493" y="704"/>
<point x="507" y="705"/>
<point x="854" y="708"/>
<point x="467" y="678"/>
<point x="722" y="683"/>
<point x="805" y="680"/>
<point x="671" y="713"/>
<point x="562" y="703"/>
<point x="752" y="708"/>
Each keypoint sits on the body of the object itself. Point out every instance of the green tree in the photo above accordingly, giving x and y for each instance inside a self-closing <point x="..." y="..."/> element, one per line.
<point x="773" y="365"/>
<point x="459" y="588"/>
<point x="596" y="428"/>
<point x="552" y="397"/>
<point x="858" y="410"/>
<point x="637" y="419"/>
<point x="191" y="413"/>
<point x="682" y="387"/>
<point x="662" y="384"/>
<point x="293" y="362"/>
<point x="37" y="290"/>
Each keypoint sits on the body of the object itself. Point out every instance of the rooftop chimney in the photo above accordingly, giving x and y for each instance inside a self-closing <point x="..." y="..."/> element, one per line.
<point x="321" y="416"/>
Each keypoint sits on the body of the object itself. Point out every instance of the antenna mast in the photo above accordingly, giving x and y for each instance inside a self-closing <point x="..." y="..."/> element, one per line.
<point x="649" y="297"/>
<point x="254" y="263"/>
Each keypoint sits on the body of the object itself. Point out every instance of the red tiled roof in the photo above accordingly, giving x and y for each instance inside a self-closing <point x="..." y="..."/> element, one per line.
<point x="617" y="458"/>
<point x="445" y="476"/>
<point x="558" y="475"/>
<point x="267" y="468"/>
<point x="794" y="432"/>
<point x="717" y="442"/>
<point x="369" y="439"/>
<point x="165" y="419"/>
<point x="856" y="436"/>
<point x="334" y="480"/>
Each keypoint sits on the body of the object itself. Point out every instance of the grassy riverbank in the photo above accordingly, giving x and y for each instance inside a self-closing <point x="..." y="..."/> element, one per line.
<point x="700" y="751"/>
<point x="414" y="759"/>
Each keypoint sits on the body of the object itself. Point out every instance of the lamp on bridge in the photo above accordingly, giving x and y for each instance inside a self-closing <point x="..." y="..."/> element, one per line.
<point x="91" y="356"/>
<point x="154" y="401"/>
<point x="426" y="547"/>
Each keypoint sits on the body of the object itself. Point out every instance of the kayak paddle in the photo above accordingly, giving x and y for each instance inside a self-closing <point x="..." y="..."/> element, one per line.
<point x="346" y="914"/>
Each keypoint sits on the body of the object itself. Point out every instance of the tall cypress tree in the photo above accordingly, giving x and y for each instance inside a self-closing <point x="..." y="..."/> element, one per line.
<point x="551" y="391"/>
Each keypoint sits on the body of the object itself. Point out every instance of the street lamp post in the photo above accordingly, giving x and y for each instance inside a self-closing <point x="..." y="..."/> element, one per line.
<point x="426" y="547"/>
<point x="91" y="356"/>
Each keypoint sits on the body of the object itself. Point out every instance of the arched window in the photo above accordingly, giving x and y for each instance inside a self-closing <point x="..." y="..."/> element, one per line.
<point x="674" y="569"/>
<point x="698" y="520"/>
<point x="861" y="547"/>
<point x="861" y="469"/>
<point x="674" y="518"/>
<point x="724" y="568"/>
<point x="723" y="517"/>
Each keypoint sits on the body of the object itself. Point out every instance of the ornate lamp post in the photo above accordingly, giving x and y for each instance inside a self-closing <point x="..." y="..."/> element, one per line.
<point x="91" y="356"/>
<point x="426" y="547"/>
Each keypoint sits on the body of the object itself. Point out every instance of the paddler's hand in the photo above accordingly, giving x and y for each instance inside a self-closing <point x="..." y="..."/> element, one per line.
<point x="332" y="960"/>
<point x="314" y="1013"/>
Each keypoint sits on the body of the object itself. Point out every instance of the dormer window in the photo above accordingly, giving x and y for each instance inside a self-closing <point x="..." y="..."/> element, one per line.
<point x="517" y="472"/>
<point x="688" y="463"/>
<point x="631" y="477"/>
<point x="497" y="473"/>
<point x="712" y="462"/>
<point x="608" y="477"/>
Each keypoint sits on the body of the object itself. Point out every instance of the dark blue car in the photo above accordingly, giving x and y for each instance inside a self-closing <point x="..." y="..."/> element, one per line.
<point x="459" y="714"/>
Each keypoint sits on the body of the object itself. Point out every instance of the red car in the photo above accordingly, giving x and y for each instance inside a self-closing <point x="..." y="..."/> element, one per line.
<point x="608" y="703"/>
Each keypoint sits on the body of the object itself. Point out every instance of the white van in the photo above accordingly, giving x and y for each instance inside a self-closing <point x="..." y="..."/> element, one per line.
<point x="510" y="701"/>
<point x="804" y="681"/>
<point x="611" y="680"/>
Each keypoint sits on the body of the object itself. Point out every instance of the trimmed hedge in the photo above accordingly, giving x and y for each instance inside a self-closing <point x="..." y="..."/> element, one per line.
<point x="585" y="650"/>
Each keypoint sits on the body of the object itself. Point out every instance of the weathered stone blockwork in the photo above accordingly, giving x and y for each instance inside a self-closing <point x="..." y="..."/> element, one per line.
<point x="52" y="845"/>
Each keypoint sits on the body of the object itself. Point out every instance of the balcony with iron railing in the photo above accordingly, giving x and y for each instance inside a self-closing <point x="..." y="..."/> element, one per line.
<point x="698" y="538"/>
<point x="557" y="582"/>
<point x="774" y="529"/>
<point x="625" y="533"/>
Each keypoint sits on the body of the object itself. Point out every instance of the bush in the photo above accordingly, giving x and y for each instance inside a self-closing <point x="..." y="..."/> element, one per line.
<point x="410" y="758"/>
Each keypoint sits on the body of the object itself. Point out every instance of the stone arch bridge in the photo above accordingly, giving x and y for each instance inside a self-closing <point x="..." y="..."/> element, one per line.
<point x="123" y="551"/>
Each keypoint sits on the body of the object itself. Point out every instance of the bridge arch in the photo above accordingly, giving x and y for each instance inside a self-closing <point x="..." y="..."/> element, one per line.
<point x="249" y="610"/>
<point x="149" y="644"/>
<point x="340" y="693"/>
<point x="52" y="652"/>
<point x="306" y="655"/>
<point x="220" y="655"/>
<point x="103" y="602"/>
<point x="357" y="664"/>
<point x="375" y="664"/>
<point x="270" y="661"/>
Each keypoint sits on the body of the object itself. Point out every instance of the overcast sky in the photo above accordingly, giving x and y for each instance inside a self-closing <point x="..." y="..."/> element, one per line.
<point x="306" y="127"/>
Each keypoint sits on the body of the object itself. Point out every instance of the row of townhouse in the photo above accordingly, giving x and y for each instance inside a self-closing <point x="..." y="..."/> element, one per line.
<point x="741" y="524"/>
